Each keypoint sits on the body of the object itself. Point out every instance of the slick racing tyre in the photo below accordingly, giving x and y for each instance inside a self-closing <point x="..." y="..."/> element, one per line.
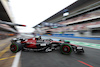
<point x="65" y="49"/>
<point x="15" y="47"/>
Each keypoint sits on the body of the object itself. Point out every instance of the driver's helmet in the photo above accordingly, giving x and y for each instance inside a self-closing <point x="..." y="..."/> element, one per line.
<point x="39" y="37"/>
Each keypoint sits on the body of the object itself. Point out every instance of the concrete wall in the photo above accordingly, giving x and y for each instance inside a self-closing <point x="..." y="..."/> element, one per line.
<point x="8" y="10"/>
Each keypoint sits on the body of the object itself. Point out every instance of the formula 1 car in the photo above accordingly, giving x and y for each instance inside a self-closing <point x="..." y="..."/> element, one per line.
<point x="47" y="45"/>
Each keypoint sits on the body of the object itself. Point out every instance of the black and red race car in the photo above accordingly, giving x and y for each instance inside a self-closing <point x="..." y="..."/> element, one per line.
<point x="47" y="45"/>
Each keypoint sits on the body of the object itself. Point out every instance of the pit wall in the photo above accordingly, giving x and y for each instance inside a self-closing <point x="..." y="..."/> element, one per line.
<point x="77" y="34"/>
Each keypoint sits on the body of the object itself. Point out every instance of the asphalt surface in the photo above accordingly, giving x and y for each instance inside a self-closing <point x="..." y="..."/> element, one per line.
<point x="6" y="56"/>
<point x="91" y="57"/>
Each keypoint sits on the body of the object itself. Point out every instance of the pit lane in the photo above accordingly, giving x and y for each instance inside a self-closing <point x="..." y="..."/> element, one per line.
<point x="55" y="58"/>
<point x="39" y="59"/>
<point x="6" y="56"/>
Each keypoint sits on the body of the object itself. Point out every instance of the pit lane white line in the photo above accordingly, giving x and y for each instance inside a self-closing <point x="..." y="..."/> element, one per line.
<point x="16" y="60"/>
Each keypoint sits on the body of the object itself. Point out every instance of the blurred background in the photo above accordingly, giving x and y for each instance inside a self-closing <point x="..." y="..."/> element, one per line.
<point x="77" y="19"/>
<point x="64" y="18"/>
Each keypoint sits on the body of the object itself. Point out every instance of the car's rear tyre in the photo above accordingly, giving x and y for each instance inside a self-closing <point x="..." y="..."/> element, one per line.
<point x="66" y="49"/>
<point x="15" y="47"/>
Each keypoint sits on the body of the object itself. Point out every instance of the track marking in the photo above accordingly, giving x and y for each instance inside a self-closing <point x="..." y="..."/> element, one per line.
<point x="5" y="50"/>
<point x="84" y="63"/>
<point x="2" y="45"/>
<point x="16" y="60"/>
<point x="7" y="58"/>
